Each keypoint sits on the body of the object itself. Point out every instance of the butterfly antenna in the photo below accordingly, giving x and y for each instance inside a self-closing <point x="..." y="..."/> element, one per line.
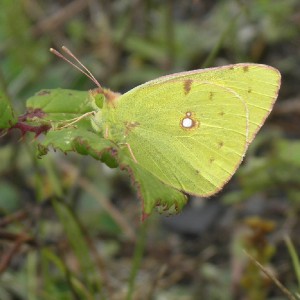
<point x="80" y="63"/>
<point x="85" y="70"/>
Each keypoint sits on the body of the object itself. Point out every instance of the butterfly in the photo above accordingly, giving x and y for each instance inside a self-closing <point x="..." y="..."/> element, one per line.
<point x="190" y="130"/>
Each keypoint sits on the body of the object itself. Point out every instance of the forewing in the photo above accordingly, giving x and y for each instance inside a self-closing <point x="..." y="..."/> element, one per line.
<point x="226" y="107"/>
<point x="199" y="159"/>
<point x="257" y="84"/>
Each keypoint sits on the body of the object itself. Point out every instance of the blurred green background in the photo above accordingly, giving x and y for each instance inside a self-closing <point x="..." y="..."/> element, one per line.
<point x="70" y="228"/>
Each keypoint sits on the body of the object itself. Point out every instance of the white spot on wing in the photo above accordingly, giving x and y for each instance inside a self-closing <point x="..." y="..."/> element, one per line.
<point x="187" y="123"/>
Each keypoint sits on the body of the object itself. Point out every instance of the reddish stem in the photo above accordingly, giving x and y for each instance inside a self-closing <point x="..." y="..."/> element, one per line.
<point x="24" y="128"/>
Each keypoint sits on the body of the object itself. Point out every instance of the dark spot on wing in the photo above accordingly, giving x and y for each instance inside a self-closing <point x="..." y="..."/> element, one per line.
<point x="221" y="144"/>
<point x="211" y="160"/>
<point x="249" y="90"/>
<point x="245" y="68"/>
<point x="187" y="86"/>
<point x="211" y="95"/>
<point x="221" y="113"/>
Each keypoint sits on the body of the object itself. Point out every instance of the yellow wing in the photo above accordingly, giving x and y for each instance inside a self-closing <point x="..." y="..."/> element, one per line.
<point x="191" y="129"/>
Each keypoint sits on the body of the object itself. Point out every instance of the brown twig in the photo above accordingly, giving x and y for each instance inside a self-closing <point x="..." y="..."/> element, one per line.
<point x="8" y="256"/>
<point x="4" y="235"/>
<point x="287" y="293"/>
<point x="17" y="216"/>
<point x="105" y="203"/>
<point x="156" y="280"/>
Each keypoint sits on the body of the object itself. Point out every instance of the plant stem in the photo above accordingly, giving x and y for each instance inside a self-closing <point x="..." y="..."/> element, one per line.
<point x="137" y="258"/>
<point x="295" y="258"/>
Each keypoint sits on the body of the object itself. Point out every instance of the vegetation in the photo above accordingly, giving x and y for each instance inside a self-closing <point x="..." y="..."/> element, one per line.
<point x="70" y="227"/>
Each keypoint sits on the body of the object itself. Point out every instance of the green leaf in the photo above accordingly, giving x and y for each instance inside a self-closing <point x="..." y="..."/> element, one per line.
<point x="65" y="106"/>
<point x="7" y="117"/>
<point x="68" y="108"/>
<point x="61" y="101"/>
<point x="97" y="147"/>
<point x="59" y="104"/>
<point x="81" y="141"/>
<point x="152" y="191"/>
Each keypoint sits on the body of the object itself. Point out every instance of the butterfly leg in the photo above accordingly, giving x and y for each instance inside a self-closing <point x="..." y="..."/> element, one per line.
<point x="131" y="153"/>
<point x="75" y="120"/>
<point x="106" y="132"/>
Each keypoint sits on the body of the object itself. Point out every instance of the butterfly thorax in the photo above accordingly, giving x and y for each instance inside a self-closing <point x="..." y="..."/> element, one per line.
<point x="105" y="121"/>
<point x="111" y="128"/>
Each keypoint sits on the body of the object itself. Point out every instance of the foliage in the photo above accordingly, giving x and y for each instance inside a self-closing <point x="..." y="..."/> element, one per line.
<point x="68" y="225"/>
